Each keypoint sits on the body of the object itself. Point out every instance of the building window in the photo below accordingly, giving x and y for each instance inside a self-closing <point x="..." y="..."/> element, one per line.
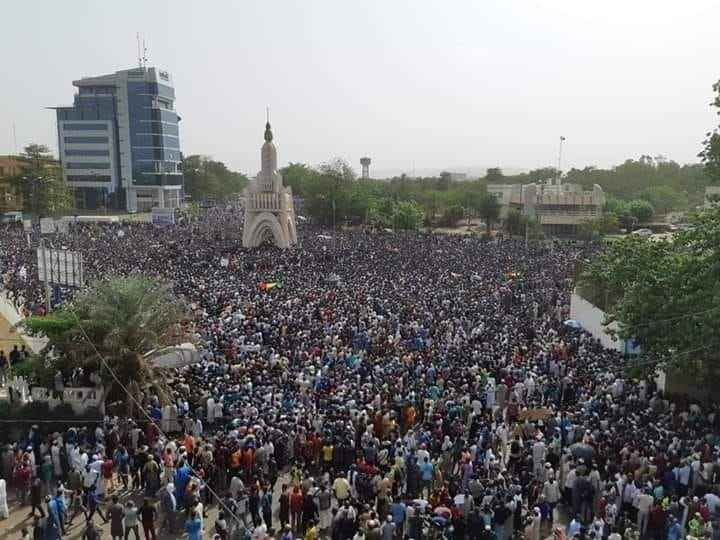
<point x="88" y="178"/>
<point x="86" y="140"/>
<point x="73" y="152"/>
<point x="72" y="165"/>
<point x="85" y="127"/>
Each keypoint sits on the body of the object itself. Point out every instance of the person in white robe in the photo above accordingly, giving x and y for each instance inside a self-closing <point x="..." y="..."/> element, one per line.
<point x="165" y="419"/>
<point x="4" y="511"/>
<point x="211" y="411"/>
<point x="219" y="410"/>
<point x="197" y="428"/>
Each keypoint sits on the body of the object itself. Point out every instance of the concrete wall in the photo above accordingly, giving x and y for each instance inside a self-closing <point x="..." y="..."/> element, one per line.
<point x="80" y="399"/>
<point x="13" y="316"/>
<point x="591" y="318"/>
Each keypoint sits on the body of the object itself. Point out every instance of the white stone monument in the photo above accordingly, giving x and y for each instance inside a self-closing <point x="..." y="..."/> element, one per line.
<point x="269" y="210"/>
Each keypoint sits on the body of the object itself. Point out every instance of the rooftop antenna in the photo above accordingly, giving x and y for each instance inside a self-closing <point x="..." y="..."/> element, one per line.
<point x="144" y="54"/>
<point x="139" y="56"/>
<point x="267" y="114"/>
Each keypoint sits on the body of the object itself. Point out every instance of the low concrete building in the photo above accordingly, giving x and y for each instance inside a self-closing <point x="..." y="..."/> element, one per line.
<point x="502" y="193"/>
<point x="561" y="208"/>
<point x="712" y="196"/>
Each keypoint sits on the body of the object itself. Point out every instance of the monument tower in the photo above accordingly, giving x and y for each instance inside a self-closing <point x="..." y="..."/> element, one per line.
<point x="269" y="209"/>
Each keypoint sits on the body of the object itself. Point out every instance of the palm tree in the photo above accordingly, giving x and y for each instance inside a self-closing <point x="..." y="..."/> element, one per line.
<point x="109" y="328"/>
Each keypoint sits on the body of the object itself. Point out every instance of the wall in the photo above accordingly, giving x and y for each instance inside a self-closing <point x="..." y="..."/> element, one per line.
<point x="80" y="398"/>
<point x="9" y="313"/>
<point x="591" y="319"/>
<point x="673" y="382"/>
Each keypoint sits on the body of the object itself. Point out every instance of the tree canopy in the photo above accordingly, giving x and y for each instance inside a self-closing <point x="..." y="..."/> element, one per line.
<point x="665" y="294"/>
<point x="41" y="184"/>
<point x="209" y="180"/>
<point x="710" y="154"/>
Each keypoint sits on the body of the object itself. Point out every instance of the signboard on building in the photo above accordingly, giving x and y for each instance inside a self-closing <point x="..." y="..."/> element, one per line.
<point x="163" y="216"/>
<point x="60" y="267"/>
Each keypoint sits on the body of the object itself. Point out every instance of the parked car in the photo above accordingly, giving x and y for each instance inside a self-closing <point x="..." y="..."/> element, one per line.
<point x="645" y="233"/>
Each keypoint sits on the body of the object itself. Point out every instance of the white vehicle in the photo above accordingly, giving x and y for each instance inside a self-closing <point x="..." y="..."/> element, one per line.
<point x="645" y="233"/>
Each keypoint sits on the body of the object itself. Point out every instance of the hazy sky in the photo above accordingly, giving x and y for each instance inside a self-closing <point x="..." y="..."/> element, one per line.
<point x="441" y="83"/>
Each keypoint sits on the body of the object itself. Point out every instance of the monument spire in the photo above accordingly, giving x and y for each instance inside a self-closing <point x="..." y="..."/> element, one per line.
<point x="268" y="130"/>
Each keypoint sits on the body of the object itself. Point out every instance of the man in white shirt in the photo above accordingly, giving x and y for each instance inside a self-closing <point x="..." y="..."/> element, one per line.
<point x="539" y="451"/>
<point x="643" y="502"/>
<point x="569" y="484"/>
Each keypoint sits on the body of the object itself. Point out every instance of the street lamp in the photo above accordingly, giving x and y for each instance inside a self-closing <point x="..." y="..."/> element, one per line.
<point x="559" y="171"/>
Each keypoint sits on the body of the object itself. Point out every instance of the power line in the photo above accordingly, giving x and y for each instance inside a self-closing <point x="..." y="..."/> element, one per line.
<point x="650" y="323"/>
<point x="665" y="359"/>
<point x="221" y="502"/>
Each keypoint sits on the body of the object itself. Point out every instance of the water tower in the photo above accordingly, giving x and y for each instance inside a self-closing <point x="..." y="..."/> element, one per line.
<point x="365" y="162"/>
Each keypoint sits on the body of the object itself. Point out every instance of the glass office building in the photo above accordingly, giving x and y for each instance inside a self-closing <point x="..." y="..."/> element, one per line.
<point x="119" y="142"/>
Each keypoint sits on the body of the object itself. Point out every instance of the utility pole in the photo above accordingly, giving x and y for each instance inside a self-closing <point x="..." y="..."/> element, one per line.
<point x="559" y="173"/>
<point x="45" y="275"/>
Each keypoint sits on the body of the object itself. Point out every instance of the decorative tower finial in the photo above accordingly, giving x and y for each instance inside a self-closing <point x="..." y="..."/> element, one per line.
<point x="268" y="130"/>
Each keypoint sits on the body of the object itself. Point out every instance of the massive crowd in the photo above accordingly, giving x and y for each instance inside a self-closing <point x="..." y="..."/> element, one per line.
<point x="394" y="386"/>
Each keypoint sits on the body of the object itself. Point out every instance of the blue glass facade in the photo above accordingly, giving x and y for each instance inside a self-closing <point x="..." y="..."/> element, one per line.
<point x="153" y="134"/>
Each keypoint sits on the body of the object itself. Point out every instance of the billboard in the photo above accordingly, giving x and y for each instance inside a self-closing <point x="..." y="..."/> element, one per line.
<point x="60" y="267"/>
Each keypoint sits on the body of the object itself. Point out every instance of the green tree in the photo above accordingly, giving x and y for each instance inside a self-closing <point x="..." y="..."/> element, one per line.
<point x="452" y="215"/>
<point x="408" y="215"/>
<point x="298" y="176"/>
<point x="640" y="209"/>
<point x="209" y="180"/>
<point x="515" y="222"/>
<point x="605" y="224"/>
<point x="338" y="169"/>
<point x="710" y="154"/>
<point x="489" y="210"/>
<point x="444" y="181"/>
<point x="664" y="199"/>
<point x="665" y="294"/>
<point x="122" y="319"/>
<point x="41" y="183"/>
<point x="543" y="175"/>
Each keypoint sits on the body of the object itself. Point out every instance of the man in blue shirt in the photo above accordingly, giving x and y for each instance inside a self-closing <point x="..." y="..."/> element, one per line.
<point x="398" y="512"/>
<point x="675" y="530"/>
<point x="426" y="476"/>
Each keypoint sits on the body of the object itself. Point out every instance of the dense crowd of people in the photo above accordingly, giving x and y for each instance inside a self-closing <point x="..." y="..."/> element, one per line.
<point x="394" y="386"/>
